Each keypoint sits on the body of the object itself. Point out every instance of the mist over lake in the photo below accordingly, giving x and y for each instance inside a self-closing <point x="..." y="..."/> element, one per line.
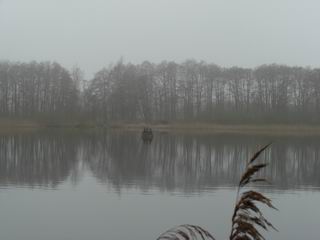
<point x="164" y="120"/>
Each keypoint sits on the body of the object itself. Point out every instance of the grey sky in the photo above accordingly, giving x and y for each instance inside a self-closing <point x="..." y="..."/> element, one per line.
<point x="94" y="33"/>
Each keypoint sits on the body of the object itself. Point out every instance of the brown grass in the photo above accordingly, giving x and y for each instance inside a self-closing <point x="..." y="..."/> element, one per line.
<point x="247" y="129"/>
<point x="247" y="217"/>
<point x="186" y="232"/>
<point x="21" y="125"/>
<point x="175" y="127"/>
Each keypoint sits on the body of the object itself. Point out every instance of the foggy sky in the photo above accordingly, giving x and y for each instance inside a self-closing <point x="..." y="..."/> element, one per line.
<point x="95" y="33"/>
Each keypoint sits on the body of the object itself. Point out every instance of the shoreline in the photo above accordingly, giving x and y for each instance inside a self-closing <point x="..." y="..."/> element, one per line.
<point x="192" y="128"/>
<point x="204" y="128"/>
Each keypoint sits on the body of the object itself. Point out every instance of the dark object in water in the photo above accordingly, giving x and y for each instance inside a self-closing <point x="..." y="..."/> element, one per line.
<point x="147" y="135"/>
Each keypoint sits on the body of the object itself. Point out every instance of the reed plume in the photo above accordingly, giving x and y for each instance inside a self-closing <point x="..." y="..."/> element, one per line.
<point x="247" y="217"/>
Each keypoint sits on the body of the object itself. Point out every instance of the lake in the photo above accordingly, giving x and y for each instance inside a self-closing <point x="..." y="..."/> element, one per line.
<point x="111" y="185"/>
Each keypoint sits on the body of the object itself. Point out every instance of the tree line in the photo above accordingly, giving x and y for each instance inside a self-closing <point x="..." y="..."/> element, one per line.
<point x="164" y="92"/>
<point x="36" y="90"/>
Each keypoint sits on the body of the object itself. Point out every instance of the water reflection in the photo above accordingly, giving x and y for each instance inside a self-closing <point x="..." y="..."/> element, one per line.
<point x="170" y="163"/>
<point x="37" y="159"/>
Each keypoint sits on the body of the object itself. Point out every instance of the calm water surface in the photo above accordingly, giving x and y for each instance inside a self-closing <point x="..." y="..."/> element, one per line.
<point x="81" y="186"/>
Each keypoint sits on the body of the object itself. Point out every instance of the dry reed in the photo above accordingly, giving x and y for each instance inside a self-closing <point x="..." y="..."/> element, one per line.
<point x="247" y="217"/>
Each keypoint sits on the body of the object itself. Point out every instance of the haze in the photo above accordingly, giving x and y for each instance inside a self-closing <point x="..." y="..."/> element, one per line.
<point x="92" y="34"/>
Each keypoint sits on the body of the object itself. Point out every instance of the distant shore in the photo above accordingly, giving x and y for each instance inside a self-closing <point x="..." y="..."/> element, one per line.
<point x="201" y="128"/>
<point x="211" y="128"/>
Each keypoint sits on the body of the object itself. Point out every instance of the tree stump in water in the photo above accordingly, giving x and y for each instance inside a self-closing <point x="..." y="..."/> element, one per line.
<point x="147" y="135"/>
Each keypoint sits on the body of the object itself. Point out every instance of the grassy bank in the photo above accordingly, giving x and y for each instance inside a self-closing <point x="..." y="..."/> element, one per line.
<point x="268" y="129"/>
<point x="8" y="125"/>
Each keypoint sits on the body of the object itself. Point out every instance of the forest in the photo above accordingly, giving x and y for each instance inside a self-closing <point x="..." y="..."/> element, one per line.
<point x="192" y="91"/>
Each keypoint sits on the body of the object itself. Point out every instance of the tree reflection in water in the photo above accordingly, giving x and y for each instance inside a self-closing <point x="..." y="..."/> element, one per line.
<point x="37" y="159"/>
<point x="173" y="162"/>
